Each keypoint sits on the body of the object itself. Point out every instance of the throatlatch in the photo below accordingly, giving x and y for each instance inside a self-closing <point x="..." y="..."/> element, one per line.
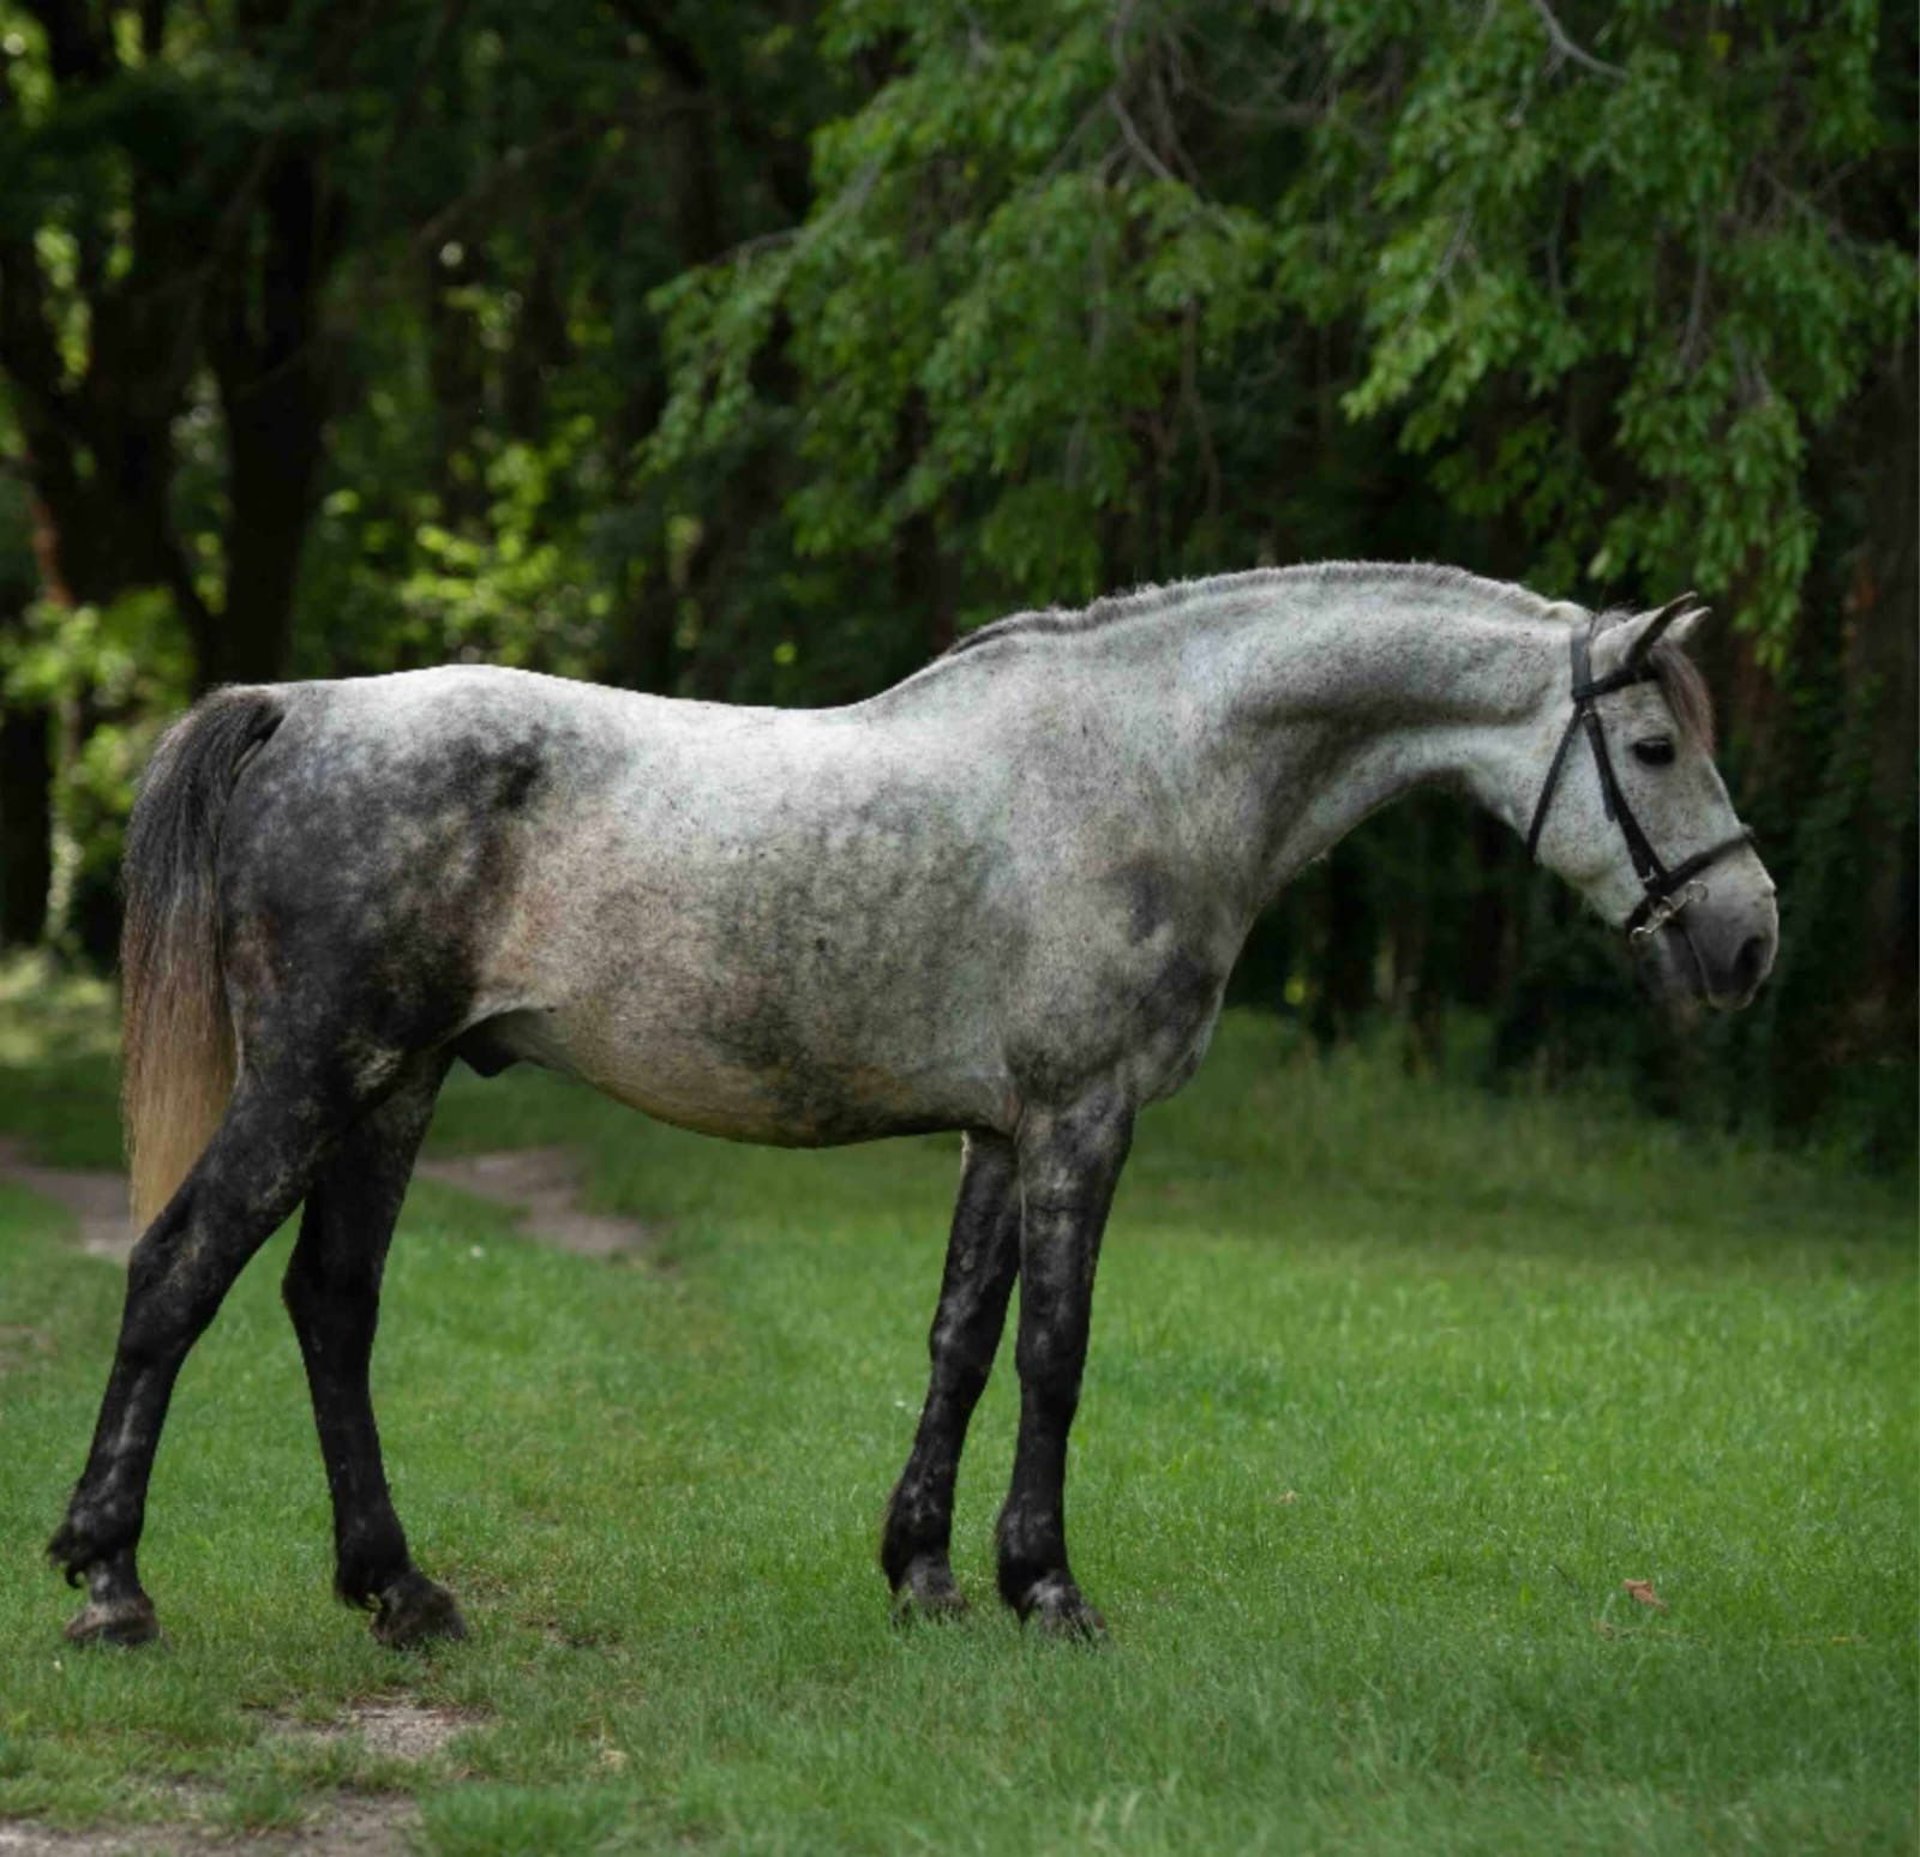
<point x="1668" y="891"/>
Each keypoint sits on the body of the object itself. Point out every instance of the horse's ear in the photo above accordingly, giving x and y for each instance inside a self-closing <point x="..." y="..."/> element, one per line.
<point x="1678" y="616"/>
<point x="1681" y="631"/>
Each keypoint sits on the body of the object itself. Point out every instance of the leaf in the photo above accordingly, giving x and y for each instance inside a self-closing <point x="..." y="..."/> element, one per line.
<point x="1642" y="1591"/>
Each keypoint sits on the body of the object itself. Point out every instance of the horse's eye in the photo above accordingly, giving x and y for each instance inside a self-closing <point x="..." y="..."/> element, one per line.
<point x="1655" y="753"/>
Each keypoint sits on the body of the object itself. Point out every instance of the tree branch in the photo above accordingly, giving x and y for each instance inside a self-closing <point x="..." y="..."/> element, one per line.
<point x="1566" y="52"/>
<point x="1136" y="141"/>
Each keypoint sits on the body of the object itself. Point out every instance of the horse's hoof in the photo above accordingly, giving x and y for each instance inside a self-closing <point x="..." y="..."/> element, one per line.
<point x="927" y="1590"/>
<point x="1055" y="1609"/>
<point x="416" y="1610"/>
<point x="121" y="1622"/>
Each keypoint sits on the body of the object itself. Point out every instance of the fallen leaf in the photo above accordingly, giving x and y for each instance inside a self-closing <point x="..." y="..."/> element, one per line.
<point x="1287" y="1495"/>
<point x="1642" y="1590"/>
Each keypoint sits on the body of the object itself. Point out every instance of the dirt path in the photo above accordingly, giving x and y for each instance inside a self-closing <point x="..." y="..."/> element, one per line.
<point x="349" y="1825"/>
<point x="365" y="1824"/>
<point x="97" y="1198"/>
<point x="543" y="1185"/>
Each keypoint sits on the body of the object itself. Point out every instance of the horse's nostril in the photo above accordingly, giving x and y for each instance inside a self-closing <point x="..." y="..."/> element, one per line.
<point x="1749" y="965"/>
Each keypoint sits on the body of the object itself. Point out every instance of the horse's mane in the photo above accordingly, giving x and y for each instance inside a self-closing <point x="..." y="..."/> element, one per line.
<point x="1680" y="679"/>
<point x="1143" y="602"/>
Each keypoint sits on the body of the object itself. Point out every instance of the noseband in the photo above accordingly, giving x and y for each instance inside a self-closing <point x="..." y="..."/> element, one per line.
<point x="1668" y="892"/>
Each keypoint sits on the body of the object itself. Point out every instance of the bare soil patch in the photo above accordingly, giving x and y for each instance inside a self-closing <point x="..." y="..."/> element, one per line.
<point x="95" y="1196"/>
<point x="406" y="1731"/>
<point x="542" y="1184"/>
<point x="545" y="1184"/>
<point x="360" y="1822"/>
<point x="366" y="1824"/>
<point x="22" y="1838"/>
<point x="370" y="1824"/>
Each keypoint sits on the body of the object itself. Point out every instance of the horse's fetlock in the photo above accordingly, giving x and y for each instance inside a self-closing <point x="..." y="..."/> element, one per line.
<point x="367" y="1562"/>
<point x="917" y="1527"/>
<point x="1018" y="1579"/>
<point x="1055" y="1606"/>
<point x="69" y="1553"/>
<point x="926" y="1588"/>
<point x="1032" y="1550"/>
<point x="93" y="1532"/>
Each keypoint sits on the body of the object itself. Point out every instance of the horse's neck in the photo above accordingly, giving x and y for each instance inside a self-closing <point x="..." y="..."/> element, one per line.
<point x="1325" y="703"/>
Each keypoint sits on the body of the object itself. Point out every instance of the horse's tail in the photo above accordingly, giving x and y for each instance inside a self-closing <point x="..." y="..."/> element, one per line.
<point x="177" y="1032"/>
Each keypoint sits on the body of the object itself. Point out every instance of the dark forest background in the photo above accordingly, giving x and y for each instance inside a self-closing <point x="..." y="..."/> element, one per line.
<point x="755" y="350"/>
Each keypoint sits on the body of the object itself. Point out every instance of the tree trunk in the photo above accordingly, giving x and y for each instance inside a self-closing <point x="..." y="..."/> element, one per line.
<point x="273" y="390"/>
<point x="26" y="826"/>
<point x="1346" y="970"/>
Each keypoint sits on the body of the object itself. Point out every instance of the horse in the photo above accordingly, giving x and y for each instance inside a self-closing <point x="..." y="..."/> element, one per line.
<point x="1001" y="897"/>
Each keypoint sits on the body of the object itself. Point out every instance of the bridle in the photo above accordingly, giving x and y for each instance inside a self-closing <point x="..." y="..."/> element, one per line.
<point x="1668" y="891"/>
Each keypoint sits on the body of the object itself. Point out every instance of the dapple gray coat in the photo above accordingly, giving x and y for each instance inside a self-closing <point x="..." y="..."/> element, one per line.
<point x="1002" y="897"/>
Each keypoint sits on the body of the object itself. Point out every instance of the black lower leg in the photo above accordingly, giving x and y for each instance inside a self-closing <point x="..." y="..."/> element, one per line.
<point x="251" y="1176"/>
<point x="332" y="1292"/>
<point x="983" y="1257"/>
<point x="1069" y="1164"/>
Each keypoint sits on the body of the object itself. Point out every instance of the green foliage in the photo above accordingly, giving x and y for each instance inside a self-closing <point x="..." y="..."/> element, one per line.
<point x="729" y="353"/>
<point x="124" y="669"/>
<point x="984" y="315"/>
<point x="1611" y="299"/>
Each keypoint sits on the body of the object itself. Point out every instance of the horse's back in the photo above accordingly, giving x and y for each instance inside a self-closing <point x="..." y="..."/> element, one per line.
<point x="767" y="923"/>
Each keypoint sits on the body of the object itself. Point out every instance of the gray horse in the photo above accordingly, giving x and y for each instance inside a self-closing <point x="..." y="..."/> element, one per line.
<point x="1002" y="897"/>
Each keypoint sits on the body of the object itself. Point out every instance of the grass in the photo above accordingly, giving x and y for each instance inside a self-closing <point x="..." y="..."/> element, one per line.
<point x="1393" y="1386"/>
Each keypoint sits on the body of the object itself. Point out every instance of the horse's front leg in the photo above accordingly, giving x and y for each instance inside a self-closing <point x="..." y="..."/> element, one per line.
<point x="983" y="1257"/>
<point x="1069" y="1162"/>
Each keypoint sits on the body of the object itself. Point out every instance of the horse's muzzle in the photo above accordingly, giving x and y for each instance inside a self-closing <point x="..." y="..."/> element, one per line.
<point x="1713" y="953"/>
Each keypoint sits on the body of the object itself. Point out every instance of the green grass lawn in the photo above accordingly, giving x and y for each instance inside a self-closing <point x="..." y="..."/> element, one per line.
<point x="1392" y="1386"/>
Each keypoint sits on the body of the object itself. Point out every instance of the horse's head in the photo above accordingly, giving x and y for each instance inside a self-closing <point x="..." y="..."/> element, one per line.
<point x="1633" y="813"/>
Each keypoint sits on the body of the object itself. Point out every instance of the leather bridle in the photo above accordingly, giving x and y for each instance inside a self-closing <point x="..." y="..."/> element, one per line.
<point x="1668" y="891"/>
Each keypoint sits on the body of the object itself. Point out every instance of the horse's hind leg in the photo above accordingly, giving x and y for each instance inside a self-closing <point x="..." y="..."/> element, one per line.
<point x="332" y="1292"/>
<point x="983" y="1257"/>
<point x="254" y="1172"/>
